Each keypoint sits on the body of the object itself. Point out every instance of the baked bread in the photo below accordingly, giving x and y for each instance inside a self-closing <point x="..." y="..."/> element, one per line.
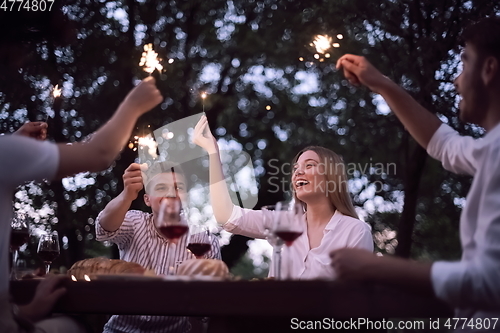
<point x="104" y="266"/>
<point x="207" y="267"/>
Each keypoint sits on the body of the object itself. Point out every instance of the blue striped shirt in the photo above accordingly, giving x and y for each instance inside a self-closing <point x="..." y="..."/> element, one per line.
<point x="139" y="241"/>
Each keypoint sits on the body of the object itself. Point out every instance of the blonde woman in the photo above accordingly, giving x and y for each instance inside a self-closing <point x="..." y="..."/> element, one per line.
<point x="319" y="183"/>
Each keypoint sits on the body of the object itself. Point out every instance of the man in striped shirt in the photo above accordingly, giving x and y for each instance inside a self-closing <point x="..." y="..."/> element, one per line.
<point x="139" y="240"/>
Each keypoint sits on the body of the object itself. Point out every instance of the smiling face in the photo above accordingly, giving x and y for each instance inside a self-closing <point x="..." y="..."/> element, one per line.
<point x="319" y="177"/>
<point x="164" y="185"/>
<point x="472" y="89"/>
<point x="309" y="177"/>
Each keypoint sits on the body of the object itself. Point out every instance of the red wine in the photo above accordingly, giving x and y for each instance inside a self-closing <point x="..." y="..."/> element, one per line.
<point x="199" y="249"/>
<point x="288" y="236"/>
<point x="173" y="231"/>
<point x="48" y="255"/>
<point x="18" y="238"/>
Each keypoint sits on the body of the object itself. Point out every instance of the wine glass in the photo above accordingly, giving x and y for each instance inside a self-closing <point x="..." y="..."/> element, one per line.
<point x="200" y="241"/>
<point x="48" y="249"/>
<point x="172" y="222"/>
<point x="286" y="221"/>
<point x="19" y="236"/>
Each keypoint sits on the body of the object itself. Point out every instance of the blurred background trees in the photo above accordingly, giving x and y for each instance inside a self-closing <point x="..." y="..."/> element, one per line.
<point x="247" y="56"/>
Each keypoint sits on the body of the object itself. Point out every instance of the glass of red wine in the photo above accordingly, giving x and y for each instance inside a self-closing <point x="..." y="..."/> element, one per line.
<point x="287" y="223"/>
<point x="172" y="222"/>
<point x="19" y="235"/>
<point x="48" y="249"/>
<point x="200" y="241"/>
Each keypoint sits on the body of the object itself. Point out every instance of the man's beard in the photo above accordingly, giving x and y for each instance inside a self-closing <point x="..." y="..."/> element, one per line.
<point x="473" y="110"/>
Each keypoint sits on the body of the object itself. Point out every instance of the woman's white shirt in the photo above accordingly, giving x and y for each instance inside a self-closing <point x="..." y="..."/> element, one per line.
<point x="341" y="231"/>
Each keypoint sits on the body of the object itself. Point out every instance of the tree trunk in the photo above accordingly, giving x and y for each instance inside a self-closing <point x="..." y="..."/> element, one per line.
<point x="415" y="166"/>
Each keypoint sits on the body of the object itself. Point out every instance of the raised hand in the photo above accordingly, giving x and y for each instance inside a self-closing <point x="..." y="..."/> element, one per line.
<point x="132" y="181"/>
<point x="203" y="136"/>
<point x="357" y="70"/>
<point x="35" y="129"/>
<point x="144" y="96"/>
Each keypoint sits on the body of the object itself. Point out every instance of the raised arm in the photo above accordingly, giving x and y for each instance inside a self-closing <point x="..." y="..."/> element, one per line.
<point x="105" y="144"/>
<point x="219" y="194"/>
<point x="418" y="121"/>
<point x="112" y="216"/>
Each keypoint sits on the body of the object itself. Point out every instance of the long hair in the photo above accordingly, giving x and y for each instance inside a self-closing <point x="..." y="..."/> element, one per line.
<point x="336" y="180"/>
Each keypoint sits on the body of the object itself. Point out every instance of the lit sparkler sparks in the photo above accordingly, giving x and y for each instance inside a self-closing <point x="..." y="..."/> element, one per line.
<point x="149" y="144"/>
<point x="322" y="44"/>
<point x="57" y="91"/>
<point x="203" y="96"/>
<point x="150" y="61"/>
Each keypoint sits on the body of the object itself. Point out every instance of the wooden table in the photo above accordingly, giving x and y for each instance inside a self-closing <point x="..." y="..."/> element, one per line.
<point x="240" y="305"/>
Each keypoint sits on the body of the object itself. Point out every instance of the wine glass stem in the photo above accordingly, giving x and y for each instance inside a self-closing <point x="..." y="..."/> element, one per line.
<point x="13" y="272"/>
<point x="288" y="275"/>
<point x="277" y="262"/>
<point x="47" y="268"/>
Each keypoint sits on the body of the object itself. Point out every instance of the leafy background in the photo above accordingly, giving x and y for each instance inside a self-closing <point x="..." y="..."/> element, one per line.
<point x="245" y="54"/>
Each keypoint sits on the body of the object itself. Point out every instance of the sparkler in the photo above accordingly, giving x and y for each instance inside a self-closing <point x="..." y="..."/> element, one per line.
<point x="56" y="92"/>
<point x="148" y="144"/>
<point x="322" y="44"/>
<point x="150" y="61"/>
<point x="203" y="96"/>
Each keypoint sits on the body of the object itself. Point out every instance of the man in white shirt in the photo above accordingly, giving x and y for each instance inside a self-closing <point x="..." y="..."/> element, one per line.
<point x="471" y="285"/>
<point x="24" y="159"/>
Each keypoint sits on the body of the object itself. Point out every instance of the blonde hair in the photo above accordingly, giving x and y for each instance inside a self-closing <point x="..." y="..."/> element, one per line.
<point x="336" y="180"/>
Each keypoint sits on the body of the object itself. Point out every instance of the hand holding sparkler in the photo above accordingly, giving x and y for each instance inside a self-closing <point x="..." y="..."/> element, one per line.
<point x="132" y="181"/>
<point x="358" y="70"/>
<point x="204" y="138"/>
<point x="144" y="96"/>
<point x="36" y="130"/>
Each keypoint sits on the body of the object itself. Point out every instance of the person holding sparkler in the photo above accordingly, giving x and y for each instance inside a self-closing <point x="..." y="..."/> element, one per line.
<point x="140" y="240"/>
<point x="319" y="184"/>
<point x="28" y="159"/>
<point x="471" y="284"/>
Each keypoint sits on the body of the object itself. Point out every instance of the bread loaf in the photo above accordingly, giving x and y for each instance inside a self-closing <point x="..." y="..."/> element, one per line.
<point x="208" y="267"/>
<point x="104" y="266"/>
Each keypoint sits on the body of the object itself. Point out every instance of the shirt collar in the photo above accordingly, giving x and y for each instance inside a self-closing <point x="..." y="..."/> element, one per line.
<point x="334" y="220"/>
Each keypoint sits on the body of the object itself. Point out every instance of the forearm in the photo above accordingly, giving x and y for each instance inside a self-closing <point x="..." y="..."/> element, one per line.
<point x="105" y="144"/>
<point x="219" y="194"/>
<point x="411" y="275"/>
<point x="417" y="120"/>
<point x="114" y="213"/>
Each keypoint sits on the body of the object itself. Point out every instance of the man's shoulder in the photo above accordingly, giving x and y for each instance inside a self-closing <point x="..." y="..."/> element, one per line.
<point x="134" y="214"/>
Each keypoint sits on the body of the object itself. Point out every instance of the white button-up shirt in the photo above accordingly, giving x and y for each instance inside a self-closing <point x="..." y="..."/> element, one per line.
<point x="341" y="231"/>
<point x="472" y="285"/>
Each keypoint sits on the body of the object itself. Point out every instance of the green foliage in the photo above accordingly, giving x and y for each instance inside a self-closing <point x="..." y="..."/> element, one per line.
<point x="246" y="270"/>
<point x="253" y="49"/>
